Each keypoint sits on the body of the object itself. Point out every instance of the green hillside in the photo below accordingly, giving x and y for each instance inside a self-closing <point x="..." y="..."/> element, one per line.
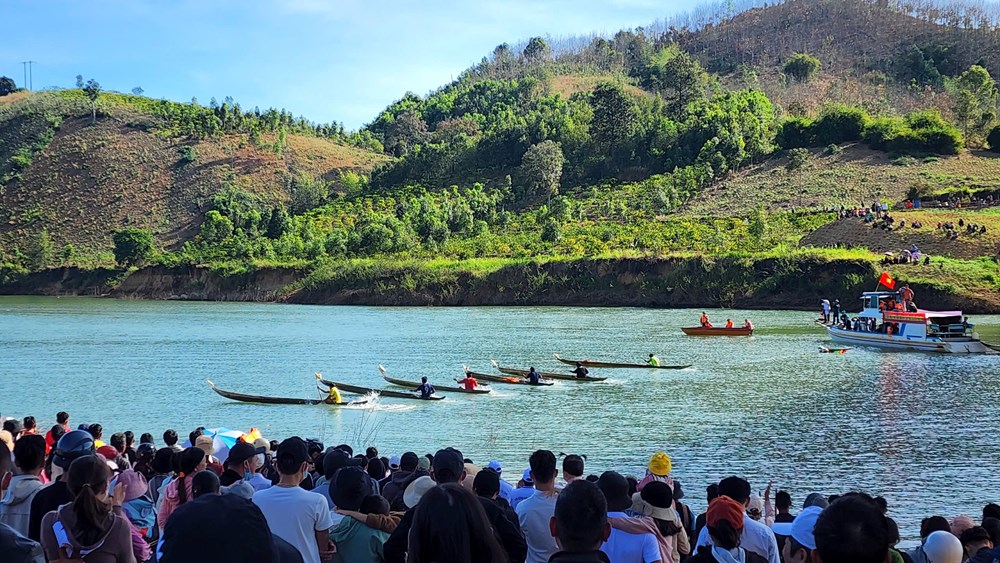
<point x="705" y="140"/>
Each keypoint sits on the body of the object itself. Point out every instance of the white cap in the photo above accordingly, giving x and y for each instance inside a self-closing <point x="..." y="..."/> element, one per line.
<point x="943" y="547"/>
<point x="801" y="529"/>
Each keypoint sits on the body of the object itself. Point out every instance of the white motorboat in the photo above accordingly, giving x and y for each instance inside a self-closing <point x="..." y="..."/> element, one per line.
<point x="882" y="324"/>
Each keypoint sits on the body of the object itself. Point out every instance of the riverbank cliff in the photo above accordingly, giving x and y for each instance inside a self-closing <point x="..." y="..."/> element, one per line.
<point x="771" y="283"/>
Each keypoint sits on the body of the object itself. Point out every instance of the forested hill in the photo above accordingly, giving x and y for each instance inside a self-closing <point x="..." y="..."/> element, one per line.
<point x="728" y="133"/>
<point x="921" y="40"/>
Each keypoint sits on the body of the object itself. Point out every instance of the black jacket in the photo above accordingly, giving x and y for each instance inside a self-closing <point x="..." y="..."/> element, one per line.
<point x="579" y="557"/>
<point x="394" y="549"/>
<point x="506" y="530"/>
<point x="46" y="500"/>
<point x="704" y="555"/>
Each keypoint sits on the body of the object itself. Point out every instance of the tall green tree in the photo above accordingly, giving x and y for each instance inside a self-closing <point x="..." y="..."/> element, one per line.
<point x="405" y="132"/>
<point x="536" y="50"/>
<point x="676" y="76"/>
<point x="976" y="102"/>
<point x="802" y="67"/>
<point x="133" y="246"/>
<point x="79" y="81"/>
<point x="93" y="91"/>
<point x="41" y="252"/>
<point x="615" y="121"/>
<point x="541" y="169"/>
<point x="7" y="86"/>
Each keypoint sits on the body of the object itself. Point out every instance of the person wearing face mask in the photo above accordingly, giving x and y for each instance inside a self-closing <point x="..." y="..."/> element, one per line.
<point x="246" y="459"/>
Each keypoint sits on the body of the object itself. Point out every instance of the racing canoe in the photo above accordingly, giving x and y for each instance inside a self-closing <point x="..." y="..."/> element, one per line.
<point x="593" y="364"/>
<point x="271" y="400"/>
<point x="345" y="387"/>
<point x="480" y="390"/>
<point x="513" y="380"/>
<point x="546" y="374"/>
<point x="717" y="331"/>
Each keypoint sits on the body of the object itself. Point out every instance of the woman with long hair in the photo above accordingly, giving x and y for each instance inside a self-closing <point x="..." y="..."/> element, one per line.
<point x="92" y="527"/>
<point x="179" y="491"/>
<point x="450" y="526"/>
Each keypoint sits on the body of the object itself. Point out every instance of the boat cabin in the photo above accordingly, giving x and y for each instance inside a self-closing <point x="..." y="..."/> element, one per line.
<point x="919" y="323"/>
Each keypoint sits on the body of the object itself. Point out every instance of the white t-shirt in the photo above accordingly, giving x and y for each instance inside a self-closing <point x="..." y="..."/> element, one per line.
<point x="623" y="547"/>
<point x="295" y="515"/>
<point x="534" y="514"/>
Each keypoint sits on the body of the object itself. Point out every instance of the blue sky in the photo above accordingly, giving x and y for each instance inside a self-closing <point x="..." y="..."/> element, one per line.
<point x="329" y="60"/>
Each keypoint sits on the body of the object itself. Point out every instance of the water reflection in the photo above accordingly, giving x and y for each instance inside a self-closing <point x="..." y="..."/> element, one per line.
<point x="917" y="429"/>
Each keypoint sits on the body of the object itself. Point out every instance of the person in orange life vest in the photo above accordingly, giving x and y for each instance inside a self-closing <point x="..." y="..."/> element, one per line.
<point x="704" y="320"/>
<point x="729" y="323"/>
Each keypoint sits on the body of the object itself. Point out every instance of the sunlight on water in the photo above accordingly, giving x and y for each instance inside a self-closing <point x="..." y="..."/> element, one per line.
<point x="918" y="429"/>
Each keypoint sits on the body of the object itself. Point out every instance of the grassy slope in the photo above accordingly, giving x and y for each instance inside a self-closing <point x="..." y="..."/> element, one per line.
<point x="855" y="177"/>
<point x="92" y="179"/>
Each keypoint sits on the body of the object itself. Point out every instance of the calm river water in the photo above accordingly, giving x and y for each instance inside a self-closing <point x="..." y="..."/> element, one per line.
<point x="920" y="430"/>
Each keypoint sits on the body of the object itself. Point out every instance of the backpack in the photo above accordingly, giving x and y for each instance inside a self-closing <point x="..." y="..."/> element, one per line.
<point x="142" y="514"/>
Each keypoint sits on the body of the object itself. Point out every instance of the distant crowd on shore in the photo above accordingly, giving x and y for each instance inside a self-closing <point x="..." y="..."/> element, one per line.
<point x="66" y="495"/>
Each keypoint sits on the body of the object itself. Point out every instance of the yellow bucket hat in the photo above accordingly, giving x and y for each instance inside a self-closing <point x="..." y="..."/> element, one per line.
<point x="660" y="464"/>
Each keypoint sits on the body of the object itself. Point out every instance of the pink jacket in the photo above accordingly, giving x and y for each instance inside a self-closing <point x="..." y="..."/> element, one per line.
<point x="171" y="500"/>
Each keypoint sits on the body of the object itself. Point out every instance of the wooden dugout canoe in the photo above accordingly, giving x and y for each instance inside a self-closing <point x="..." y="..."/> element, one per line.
<point x="594" y="364"/>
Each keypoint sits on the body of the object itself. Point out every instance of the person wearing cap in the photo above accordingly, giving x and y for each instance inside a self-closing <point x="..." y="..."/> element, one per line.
<point x="927" y="527"/>
<point x="141" y="515"/>
<point x="942" y="547"/>
<point x="15" y="506"/>
<point x="239" y="534"/>
<point x="755" y="537"/>
<point x="206" y="444"/>
<point x="852" y="530"/>
<point x="658" y="469"/>
<point x="656" y="501"/>
<point x="632" y="539"/>
<point x="300" y="517"/>
<point x="801" y="542"/>
<point x="356" y="542"/>
<point x="245" y="459"/>
<point x="505" y="488"/>
<point x="334" y="460"/>
<point x="448" y="466"/>
<point x="525" y="488"/>
<point x="725" y="522"/>
<point x="71" y="446"/>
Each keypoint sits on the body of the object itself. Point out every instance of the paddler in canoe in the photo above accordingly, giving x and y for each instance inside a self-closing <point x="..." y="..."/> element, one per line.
<point x="333" y="394"/>
<point x="533" y="376"/>
<point x="469" y="382"/>
<point x="333" y="397"/>
<point x="580" y="371"/>
<point x="729" y="323"/>
<point x="705" y="323"/>
<point x="653" y="361"/>
<point x="425" y="389"/>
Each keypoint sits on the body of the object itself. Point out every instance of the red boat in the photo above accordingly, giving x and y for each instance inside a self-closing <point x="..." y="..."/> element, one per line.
<point x="717" y="331"/>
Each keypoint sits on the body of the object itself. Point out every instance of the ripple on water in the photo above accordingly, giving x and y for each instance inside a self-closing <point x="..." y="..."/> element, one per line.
<point x="919" y="430"/>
